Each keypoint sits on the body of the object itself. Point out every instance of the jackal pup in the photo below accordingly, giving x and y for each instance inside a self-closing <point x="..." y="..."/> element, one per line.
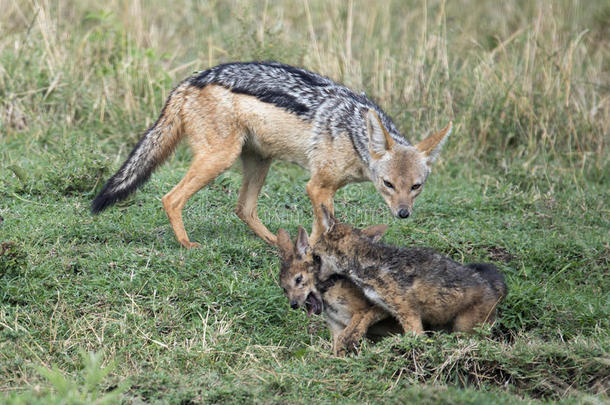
<point x="263" y="111"/>
<point x="348" y="313"/>
<point x="416" y="285"/>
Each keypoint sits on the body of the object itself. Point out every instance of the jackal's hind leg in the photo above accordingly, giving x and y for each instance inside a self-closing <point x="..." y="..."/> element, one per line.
<point x="410" y="322"/>
<point x="206" y="166"/>
<point x="476" y="315"/>
<point x="255" y="170"/>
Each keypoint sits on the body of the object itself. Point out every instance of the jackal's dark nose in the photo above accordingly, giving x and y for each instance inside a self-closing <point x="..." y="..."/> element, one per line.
<point x="294" y="304"/>
<point x="403" y="213"/>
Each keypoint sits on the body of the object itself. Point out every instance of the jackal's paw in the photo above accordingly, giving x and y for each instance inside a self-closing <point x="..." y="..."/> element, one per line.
<point x="272" y="240"/>
<point x="188" y="244"/>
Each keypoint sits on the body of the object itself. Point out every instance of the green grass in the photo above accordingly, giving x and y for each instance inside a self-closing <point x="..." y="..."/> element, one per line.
<point x="97" y="309"/>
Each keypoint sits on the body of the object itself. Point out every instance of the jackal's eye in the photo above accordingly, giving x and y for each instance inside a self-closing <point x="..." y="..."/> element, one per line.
<point x="298" y="280"/>
<point x="388" y="184"/>
<point x="415" y="186"/>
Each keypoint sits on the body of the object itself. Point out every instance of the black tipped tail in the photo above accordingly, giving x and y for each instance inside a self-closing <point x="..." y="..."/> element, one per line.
<point x="115" y="191"/>
<point x="152" y="149"/>
<point x="102" y="201"/>
<point x="134" y="172"/>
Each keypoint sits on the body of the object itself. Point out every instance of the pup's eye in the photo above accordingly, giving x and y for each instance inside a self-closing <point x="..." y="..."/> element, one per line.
<point x="316" y="259"/>
<point x="415" y="186"/>
<point x="388" y="184"/>
<point x="298" y="280"/>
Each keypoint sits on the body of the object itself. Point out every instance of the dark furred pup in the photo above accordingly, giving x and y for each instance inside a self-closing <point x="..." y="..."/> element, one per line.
<point x="416" y="285"/>
<point x="349" y="314"/>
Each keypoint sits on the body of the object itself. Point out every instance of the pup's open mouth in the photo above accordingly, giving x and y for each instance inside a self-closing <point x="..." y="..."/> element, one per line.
<point x="313" y="305"/>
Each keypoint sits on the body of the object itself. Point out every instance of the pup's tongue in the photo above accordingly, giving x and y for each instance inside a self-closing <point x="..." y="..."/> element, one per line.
<point x="313" y="305"/>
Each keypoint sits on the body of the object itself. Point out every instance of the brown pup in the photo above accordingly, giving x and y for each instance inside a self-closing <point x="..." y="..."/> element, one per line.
<point x="416" y="285"/>
<point x="349" y="314"/>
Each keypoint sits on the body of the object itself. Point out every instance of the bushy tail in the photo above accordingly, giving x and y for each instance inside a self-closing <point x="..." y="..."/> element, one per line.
<point x="154" y="147"/>
<point x="494" y="277"/>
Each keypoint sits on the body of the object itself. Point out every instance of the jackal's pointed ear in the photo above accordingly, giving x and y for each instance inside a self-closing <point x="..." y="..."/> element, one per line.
<point x="375" y="232"/>
<point x="302" y="245"/>
<point x="380" y="140"/>
<point x="284" y="243"/>
<point x="432" y="145"/>
<point x="328" y="220"/>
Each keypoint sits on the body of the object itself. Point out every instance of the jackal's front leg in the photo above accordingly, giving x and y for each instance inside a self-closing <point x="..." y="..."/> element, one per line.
<point x="321" y="191"/>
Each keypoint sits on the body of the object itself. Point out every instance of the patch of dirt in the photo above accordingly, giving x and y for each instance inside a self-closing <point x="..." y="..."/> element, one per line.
<point x="5" y="247"/>
<point x="499" y="254"/>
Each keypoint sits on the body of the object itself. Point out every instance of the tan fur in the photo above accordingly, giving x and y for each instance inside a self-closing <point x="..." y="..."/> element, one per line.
<point x="218" y="123"/>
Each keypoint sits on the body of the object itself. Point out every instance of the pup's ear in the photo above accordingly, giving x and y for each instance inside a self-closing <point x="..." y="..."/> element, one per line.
<point x="432" y="145"/>
<point x="302" y="245"/>
<point x="380" y="140"/>
<point x="284" y="243"/>
<point x="328" y="220"/>
<point x="375" y="232"/>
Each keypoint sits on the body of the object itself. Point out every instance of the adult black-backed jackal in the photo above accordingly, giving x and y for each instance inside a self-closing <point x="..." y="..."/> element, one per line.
<point x="264" y="111"/>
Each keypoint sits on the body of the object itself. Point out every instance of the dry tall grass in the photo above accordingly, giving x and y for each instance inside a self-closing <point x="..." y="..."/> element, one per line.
<point x="523" y="79"/>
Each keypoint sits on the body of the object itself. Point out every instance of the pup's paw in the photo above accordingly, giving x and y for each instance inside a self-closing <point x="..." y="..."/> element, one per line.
<point x="347" y="344"/>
